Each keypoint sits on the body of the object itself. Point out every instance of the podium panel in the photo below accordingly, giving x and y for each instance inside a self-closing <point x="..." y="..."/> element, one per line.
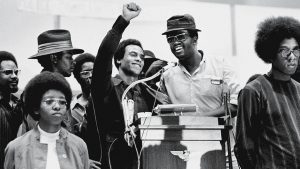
<point x="182" y="142"/>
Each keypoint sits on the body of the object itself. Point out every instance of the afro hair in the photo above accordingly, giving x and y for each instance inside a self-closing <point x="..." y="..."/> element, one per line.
<point x="271" y="32"/>
<point x="39" y="85"/>
<point x="79" y="61"/>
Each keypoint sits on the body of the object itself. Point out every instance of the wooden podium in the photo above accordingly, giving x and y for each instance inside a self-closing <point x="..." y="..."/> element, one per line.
<point x="182" y="142"/>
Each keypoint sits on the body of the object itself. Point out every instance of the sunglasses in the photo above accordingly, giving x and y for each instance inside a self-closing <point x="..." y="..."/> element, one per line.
<point x="180" y="37"/>
<point x="52" y="101"/>
<point x="86" y="73"/>
<point x="287" y="52"/>
<point x="11" y="71"/>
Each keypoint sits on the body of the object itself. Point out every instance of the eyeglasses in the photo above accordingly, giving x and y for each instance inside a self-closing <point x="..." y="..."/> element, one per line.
<point x="11" y="71"/>
<point x="180" y="37"/>
<point x="52" y="101"/>
<point x="86" y="73"/>
<point x="287" y="52"/>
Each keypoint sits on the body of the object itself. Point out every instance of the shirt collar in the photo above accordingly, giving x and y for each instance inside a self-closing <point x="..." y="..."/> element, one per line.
<point x="202" y="62"/>
<point x="63" y="133"/>
<point x="75" y="101"/>
<point x="13" y="98"/>
<point x="117" y="80"/>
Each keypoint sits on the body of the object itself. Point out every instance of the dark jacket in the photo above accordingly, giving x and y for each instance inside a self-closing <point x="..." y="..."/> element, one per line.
<point x="107" y="92"/>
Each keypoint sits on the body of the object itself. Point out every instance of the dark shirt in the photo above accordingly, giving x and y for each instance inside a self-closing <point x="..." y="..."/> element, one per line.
<point x="86" y="126"/>
<point x="10" y="120"/>
<point x="107" y="92"/>
<point x="268" y="124"/>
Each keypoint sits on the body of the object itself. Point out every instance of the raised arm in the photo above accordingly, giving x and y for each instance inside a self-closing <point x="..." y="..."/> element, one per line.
<point x="101" y="80"/>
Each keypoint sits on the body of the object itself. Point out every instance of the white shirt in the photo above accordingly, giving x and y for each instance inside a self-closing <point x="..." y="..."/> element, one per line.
<point x="204" y="87"/>
<point x="50" y="139"/>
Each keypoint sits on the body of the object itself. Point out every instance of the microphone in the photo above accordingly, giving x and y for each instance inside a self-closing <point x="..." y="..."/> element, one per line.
<point x="168" y="66"/>
<point x="128" y="106"/>
<point x="226" y="102"/>
<point x="128" y="110"/>
<point x="160" y="109"/>
<point x="226" y="93"/>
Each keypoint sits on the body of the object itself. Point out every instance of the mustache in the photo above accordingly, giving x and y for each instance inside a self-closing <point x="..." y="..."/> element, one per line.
<point x="88" y="81"/>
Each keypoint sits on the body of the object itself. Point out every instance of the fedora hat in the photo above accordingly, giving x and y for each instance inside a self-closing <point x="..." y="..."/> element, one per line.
<point x="54" y="41"/>
<point x="181" y="22"/>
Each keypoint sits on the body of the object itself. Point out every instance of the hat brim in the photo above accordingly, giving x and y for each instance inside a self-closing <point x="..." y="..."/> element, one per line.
<point x="74" y="51"/>
<point x="176" y="29"/>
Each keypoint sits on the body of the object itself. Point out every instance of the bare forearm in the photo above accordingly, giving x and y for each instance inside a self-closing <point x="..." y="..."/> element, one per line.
<point x="221" y="111"/>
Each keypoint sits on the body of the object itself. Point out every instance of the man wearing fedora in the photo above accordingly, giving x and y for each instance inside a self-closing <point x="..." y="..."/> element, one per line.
<point x="55" y="54"/>
<point x="196" y="79"/>
<point x="55" y="51"/>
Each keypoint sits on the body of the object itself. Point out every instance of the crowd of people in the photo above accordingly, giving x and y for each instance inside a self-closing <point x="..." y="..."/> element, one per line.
<point x="48" y="127"/>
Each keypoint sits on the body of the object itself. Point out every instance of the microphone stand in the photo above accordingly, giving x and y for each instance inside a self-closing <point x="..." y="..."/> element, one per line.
<point x="127" y="120"/>
<point x="228" y="125"/>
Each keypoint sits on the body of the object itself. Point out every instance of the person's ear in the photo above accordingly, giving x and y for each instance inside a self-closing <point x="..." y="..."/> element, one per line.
<point x="53" y="58"/>
<point x="119" y="61"/>
<point x="195" y="39"/>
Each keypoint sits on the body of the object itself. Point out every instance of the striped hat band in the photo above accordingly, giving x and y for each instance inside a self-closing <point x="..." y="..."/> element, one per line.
<point x="54" y="45"/>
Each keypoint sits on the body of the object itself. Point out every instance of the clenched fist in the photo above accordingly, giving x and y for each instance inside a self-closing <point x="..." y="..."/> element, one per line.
<point x="131" y="11"/>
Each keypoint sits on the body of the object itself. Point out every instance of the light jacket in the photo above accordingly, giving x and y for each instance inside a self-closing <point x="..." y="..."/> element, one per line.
<point x="26" y="152"/>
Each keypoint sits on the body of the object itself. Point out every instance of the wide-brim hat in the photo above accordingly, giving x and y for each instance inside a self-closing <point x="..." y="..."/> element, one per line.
<point x="181" y="22"/>
<point x="54" y="41"/>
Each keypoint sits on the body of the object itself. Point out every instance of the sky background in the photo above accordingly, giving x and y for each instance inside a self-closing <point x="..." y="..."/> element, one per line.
<point x="227" y="29"/>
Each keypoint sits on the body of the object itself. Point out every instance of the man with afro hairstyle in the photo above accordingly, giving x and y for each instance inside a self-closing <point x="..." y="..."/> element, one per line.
<point x="83" y="70"/>
<point x="268" y="120"/>
<point x="82" y="108"/>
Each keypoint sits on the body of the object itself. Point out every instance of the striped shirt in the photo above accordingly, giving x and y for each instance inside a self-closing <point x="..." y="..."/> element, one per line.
<point x="268" y="124"/>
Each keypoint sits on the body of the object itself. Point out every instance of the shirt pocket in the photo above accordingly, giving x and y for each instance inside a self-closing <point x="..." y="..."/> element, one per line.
<point x="210" y="86"/>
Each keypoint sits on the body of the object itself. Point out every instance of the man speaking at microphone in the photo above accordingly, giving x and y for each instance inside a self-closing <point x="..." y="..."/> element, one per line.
<point x="107" y="91"/>
<point x="197" y="79"/>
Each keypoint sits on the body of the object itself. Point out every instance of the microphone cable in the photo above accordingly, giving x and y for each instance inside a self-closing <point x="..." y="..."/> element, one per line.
<point x="108" y="153"/>
<point x="123" y="98"/>
<point x="97" y="127"/>
<point x="155" y="99"/>
<point x="96" y="122"/>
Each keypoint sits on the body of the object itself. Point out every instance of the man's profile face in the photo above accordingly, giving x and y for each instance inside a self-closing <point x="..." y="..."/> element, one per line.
<point x="181" y="44"/>
<point x="86" y="74"/>
<point x="8" y="81"/>
<point x="65" y="64"/>
<point x="133" y="61"/>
